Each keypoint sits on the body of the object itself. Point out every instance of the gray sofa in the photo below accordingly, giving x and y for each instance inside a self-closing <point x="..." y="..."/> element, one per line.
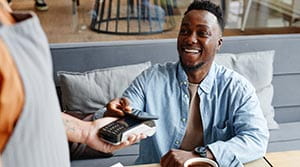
<point x="88" y="56"/>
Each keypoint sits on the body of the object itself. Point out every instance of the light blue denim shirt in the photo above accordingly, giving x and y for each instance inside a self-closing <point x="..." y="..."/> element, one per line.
<point x="234" y="127"/>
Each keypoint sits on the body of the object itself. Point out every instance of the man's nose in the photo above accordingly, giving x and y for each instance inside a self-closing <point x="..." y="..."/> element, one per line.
<point x="192" y="39"/>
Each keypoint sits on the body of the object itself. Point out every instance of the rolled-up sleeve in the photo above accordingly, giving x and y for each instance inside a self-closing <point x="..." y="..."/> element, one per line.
<point x="250" y="132"/>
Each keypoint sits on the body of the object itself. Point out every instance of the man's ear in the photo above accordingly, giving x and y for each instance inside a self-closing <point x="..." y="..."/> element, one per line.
<point x="220" y="42"/>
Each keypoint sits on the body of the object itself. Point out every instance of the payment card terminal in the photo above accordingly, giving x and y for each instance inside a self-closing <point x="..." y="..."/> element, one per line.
<point x="136" y="122"/>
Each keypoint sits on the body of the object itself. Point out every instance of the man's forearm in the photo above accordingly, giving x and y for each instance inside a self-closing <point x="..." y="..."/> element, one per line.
<point x="238" y="150"/>
<point x="76" y="130"/>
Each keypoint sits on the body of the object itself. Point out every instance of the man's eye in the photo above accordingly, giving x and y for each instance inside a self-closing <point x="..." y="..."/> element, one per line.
<point x="203" y="33"/>
<point x="183" y="31"/>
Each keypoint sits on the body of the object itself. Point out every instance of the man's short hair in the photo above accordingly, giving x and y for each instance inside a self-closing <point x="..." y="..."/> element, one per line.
<point x="208" y="6"/>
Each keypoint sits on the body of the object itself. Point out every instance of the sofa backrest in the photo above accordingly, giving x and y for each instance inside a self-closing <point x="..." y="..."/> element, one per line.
<point x="82" y="57"/>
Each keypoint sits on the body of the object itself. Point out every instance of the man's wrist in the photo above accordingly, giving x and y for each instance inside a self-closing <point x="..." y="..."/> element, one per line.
<point x="210" y="155"/>
<point x="201" y="151"/>
<point x="204" y="152"/>
<point x="99" y="114"/>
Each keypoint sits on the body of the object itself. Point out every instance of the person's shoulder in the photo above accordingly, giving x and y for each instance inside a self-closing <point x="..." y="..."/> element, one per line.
<point x="226" y="77"/>
<point x="163" y="68"/>
<point x="160" y="71"/>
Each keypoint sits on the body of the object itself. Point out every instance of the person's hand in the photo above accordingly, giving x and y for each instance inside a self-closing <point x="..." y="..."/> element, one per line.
<point x="117" y="107"/>
<point x="93" y="141"/>
<point x="176" y="158"/>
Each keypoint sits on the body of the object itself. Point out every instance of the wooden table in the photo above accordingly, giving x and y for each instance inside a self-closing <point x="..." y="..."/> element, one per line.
<point x="257" y="163"/>
<point x="284" y="159"/>
<point x="277" y="159"/>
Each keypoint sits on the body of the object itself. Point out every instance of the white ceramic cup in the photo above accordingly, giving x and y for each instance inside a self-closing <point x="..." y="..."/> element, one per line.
<point x="193" y="161"/>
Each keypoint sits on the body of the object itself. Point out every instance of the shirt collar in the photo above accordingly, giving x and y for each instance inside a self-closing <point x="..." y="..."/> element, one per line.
<point x="206" y="85"/>
<point x="181" y="75"/>
<point x="208" y="82"/>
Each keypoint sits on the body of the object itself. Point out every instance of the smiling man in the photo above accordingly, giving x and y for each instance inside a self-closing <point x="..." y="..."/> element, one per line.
<point x="204" y="110"/>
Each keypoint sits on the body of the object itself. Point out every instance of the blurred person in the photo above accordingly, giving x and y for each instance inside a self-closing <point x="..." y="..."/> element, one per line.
<point x="40" y="5"/>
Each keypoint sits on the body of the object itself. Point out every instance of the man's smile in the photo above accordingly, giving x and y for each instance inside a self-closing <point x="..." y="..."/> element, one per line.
<point x="192" y="52"/>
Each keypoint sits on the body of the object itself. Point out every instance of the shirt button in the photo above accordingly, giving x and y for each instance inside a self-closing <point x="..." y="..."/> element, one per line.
<point x="176" y="142"/>
<point x="183" y="119"/>
<point x="186" y="96"/>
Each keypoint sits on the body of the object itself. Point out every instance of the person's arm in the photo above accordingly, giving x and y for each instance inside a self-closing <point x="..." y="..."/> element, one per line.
<point x="249" y="140"/>
<point x="250" y="131"/>
<point x="86" y="132"/>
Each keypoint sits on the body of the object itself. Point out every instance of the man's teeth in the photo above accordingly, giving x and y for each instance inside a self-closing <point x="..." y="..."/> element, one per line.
<point x="191" y="50"/>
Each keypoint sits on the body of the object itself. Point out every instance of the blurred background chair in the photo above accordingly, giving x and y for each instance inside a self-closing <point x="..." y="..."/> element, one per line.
<point x="290" y="9"/>
<point x="133" y="17"/>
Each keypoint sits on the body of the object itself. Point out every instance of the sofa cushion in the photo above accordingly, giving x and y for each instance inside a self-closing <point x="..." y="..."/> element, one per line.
<point x="286" y="138"/>
<point x="88" y="91"/>
<point x="257" y="67"/>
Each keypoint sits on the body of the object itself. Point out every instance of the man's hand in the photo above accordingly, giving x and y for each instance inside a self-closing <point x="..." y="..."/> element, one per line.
<point x="176" y="158"/>
<point x="117" y="107"/>
<point x="94" y="142"/>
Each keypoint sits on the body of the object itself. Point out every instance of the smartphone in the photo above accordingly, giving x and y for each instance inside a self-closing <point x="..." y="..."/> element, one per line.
<point x="119" y="130"/>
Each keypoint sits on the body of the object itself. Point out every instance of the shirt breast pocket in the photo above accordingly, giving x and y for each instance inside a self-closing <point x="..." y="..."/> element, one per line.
<point x="223" y="131"/>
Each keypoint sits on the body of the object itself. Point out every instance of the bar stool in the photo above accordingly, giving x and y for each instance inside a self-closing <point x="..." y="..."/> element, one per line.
<point x="132" y="17"/>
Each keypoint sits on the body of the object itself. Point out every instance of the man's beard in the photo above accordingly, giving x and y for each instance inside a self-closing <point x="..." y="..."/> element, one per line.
<point x="191" y="68"/>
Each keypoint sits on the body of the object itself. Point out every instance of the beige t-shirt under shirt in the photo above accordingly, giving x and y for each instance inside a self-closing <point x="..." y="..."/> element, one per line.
<point x="194" y="132"/>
